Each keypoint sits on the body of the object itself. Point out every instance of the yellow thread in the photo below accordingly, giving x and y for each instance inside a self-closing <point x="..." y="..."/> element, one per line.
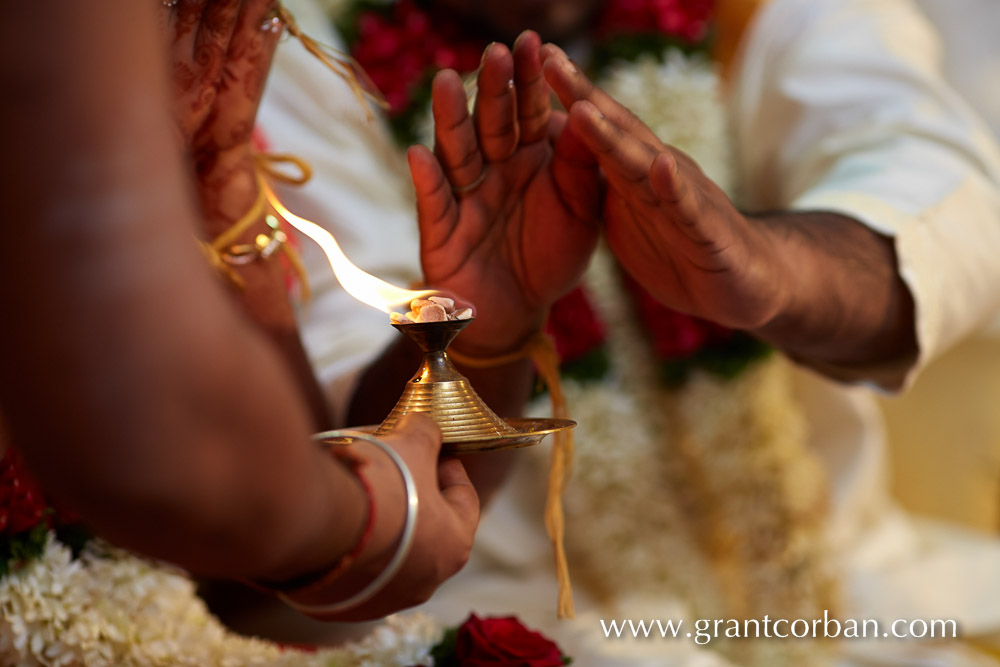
<point x="228" y="237"/>
<point x="264" y="164"/>
<point x="339" y="63"/>
<point x="542" y="351"/>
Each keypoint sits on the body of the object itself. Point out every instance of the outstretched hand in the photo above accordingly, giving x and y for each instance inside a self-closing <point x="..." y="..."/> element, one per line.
<point x="670" y="226"/>
<point x="508" y="217"/>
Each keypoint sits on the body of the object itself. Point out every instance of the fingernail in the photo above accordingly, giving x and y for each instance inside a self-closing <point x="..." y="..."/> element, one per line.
<point x="486" y="52"/>
<point x="568" y="66"/>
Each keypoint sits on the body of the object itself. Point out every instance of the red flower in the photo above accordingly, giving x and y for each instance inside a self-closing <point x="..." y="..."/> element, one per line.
<point x="401" y="45"/>
<point x="674" y="335"/>
<point x="684" y="19"/>
<point x="22" y="506"/>
<point x="503" y="642"/>
<point x="574" y="326"/>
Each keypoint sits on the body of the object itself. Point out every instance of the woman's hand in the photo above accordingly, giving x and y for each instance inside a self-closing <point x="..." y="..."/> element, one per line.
<point x="507" y="216"/>
<point x="446" y="523"/>
<point x="220" y="53"/>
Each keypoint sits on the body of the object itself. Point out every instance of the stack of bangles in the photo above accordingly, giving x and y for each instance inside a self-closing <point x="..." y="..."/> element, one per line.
<point x="342" y="450"/>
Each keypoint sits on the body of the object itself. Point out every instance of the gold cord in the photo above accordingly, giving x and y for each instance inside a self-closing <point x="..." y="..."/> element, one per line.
<point x="339" y="63"/>
<point x="546" y="359"/>
<point x="214" y="251"/>
<point x="542" y="351"/>
<point x="223" y="253"/>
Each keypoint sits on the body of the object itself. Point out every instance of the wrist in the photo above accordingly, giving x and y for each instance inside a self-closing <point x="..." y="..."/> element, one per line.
<point x="485" y="339"/>
<point x="777" y="280"/>
<point x="227" y="187"/>
<point x="334" y="535"/>
<point x="384" y="536"/>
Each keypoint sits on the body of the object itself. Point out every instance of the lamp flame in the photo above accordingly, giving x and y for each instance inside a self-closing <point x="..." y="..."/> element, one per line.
<point x="361" y="285"/>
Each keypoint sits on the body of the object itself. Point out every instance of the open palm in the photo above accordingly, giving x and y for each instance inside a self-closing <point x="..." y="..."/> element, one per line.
<point x="669" y="225"/>
<point x="507" y="216"/>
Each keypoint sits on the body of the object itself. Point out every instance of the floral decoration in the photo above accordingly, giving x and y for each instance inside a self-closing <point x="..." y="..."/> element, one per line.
<point x="108" y="608"/>
<point x="401" y="45"/>
<point x="682" y="343"/>
<point x="26" y="516"/>
<point x="496" y="642"/>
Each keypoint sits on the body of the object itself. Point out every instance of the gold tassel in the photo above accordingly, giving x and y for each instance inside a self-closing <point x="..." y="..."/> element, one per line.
<point x="341" y="64"/>
<point x="542" y="351"/>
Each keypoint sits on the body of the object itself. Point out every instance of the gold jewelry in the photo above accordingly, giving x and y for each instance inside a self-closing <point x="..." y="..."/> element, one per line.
<point x="214" y="251"/>
<point x="474" y="185"/>
<point x="223" y="253"/>
<point x="263" y="247"/>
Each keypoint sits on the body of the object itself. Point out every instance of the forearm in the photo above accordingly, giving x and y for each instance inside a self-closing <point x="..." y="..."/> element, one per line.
<point x="844" y="304"/>
<point x="169" y="425"/>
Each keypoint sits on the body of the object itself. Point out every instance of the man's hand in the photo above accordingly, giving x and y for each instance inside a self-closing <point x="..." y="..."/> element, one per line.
<point x="507" y="217"/>
<point x="671" y="227"/>
<point x="823" y="287"/>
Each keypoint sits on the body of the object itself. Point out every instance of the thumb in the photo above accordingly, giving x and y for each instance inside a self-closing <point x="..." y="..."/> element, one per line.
<point x="459" y="492"/>
<point x="421" y="435"/>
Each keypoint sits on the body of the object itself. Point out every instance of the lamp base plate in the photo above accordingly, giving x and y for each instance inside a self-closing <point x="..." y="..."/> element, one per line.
<point x="527" y="432"/>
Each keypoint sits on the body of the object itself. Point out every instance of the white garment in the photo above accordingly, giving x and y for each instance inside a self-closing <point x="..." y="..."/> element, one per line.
<point x="837" y="105"/>
<point x="840" y="106"/>
<point x="361" y="192"/>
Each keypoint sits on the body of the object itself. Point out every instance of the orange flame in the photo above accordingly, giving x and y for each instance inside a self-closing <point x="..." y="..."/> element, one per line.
<point x="362" y="286"/>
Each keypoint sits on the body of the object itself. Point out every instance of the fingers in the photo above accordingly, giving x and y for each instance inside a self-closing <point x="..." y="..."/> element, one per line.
<point x="626" y="161"/>
<point x="437" y="210"/>
<point x="575" y="171"/>
<point x="240" y="84"/>
<point x="459" y="492"/>
<point x="455" y="141"/>
<point x="185" y="17"/>
<point x="211" y="39"/>
<point x="420" y="431"/>
<point x="571" y="85"/>
<point x="533" y="95"/>
<point x="496" y="104"/>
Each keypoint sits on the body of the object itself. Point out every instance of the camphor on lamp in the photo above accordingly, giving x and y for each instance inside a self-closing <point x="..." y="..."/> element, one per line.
<point x="437" y="389"/>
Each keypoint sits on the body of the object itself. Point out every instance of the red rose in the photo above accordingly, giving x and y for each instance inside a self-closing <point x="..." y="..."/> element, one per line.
<point x="503" y="642"/>
<point x="574" y="326"/>
<point x="685" y="19"/>
<point x="674" y="335"/>
<point x="22" y="506"/>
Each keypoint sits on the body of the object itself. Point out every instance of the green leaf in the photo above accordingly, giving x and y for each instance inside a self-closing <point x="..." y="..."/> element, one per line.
<point x="444" y="651"/>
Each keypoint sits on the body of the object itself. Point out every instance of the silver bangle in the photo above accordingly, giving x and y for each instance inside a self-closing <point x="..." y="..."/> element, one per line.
<point x="405" y="540"/>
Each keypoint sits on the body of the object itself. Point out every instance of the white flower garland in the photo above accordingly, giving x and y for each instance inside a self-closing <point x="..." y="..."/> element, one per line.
<point x="109" y="608"/>
<point x="708" y="492"/>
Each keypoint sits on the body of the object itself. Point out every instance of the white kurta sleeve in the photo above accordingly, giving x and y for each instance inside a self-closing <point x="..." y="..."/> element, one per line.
<point x="360" y="191"/>
<point x="839" y="105"/>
